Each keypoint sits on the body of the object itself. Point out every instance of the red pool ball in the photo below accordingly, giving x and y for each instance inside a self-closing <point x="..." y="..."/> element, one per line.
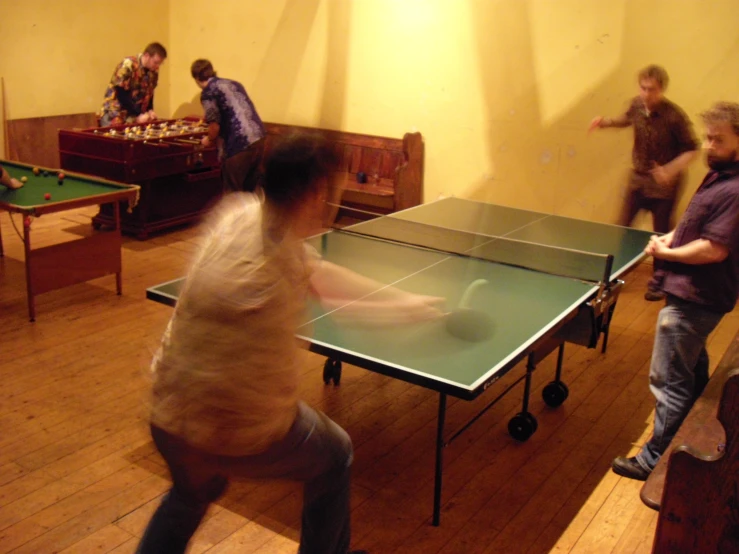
<point x="61" y="176"/>
<point x="47" y="196"/>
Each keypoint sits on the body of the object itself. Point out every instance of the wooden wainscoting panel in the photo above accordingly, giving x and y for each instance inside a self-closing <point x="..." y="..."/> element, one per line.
<point x="35" y="140"/>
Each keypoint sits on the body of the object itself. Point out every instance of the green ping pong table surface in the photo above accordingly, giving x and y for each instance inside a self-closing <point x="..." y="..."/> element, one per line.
<point x="532" y="311"/>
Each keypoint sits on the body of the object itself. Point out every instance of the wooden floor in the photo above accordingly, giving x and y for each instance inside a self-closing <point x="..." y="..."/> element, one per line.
<point x="78" y="472"/>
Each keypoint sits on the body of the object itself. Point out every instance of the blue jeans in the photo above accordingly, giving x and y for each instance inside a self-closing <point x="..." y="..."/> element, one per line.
<point x="679" y="370"/>
<point x="315" y="451"/>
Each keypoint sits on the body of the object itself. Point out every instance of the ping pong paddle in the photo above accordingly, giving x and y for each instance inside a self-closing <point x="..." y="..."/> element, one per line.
<point x="468" y="323"/>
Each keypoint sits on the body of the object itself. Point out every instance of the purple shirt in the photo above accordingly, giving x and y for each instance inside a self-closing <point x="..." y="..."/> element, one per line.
<point x="225" y="102"/>
<point x="713" y="214"/>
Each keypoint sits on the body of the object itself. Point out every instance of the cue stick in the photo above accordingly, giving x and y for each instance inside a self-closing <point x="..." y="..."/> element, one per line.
<point x="6" y="141"/>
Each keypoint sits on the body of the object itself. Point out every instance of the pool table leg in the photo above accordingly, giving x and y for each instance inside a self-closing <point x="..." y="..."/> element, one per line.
<point x="117" y="222"/>
<point x="29" y="278"/>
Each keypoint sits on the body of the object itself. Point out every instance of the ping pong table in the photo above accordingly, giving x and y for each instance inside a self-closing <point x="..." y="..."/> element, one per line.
<point x="550" y="280"/>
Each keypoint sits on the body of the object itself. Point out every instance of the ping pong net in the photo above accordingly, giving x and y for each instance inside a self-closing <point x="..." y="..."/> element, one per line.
<point x="554" y="260"/>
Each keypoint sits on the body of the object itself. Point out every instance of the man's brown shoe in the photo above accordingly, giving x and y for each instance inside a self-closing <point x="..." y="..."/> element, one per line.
<point x="629" y="467"/>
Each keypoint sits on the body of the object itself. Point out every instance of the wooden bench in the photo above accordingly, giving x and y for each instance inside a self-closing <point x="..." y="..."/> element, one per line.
<point x="393" y="169"/>
<point x="695" y="485"/>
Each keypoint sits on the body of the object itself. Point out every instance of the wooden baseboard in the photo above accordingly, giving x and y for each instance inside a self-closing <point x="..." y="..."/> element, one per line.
<point x="35" y="140"/>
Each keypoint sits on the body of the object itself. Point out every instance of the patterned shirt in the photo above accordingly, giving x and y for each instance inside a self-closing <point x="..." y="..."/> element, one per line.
<point x="713" y="214"/>
<point x="138" y="83"/>
<point x="226" y="103"/>
<point x="660" y="136"/>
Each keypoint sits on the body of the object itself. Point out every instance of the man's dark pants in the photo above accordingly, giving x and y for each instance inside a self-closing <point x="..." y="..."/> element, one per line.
<point x="240" y="172"/>
<point x="661" y="209"/>
<point x="315" y="451"/>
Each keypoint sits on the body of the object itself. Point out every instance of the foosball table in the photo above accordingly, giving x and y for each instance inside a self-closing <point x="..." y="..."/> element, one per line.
<point x="178" y="176"/>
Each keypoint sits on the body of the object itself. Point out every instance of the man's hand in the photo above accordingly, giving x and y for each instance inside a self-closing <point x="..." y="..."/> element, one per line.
<point x="658" y="246"/>
<point x="661" y="175"/>
<point x="205" y="141"/>
<point x="402" y="309"/>
<point x="696" y="252"/>
<point x="152" y="115"/>
<point x="8" y="181"/>
<point x="14" y="184"/>
<point x="142" y="118"/>
<point x="596" y="123"/>
<point x="419" y="307"/>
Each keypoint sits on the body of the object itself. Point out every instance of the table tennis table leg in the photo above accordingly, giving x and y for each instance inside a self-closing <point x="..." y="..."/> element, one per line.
<point x="530" y="367"/>
<point x="560" y="358"/>
<point x="607" y="315"/>
<point x="556" y="392"/>
<point x="439" y="459"/>
<point x="607" y="327"/>
<point x="524" y="424"/>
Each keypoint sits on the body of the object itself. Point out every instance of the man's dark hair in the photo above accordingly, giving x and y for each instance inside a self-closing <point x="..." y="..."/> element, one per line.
<point x="294" y="166"/>
<point x="723" y="112"/>
<point x="202" y="70"/>
<point x="656" y="72"/>
<point x="156" y="49"/>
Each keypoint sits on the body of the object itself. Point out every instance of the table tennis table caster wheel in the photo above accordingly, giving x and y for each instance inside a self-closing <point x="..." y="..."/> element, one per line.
<point x="555" y="393"/>
<point x="522" y="426"/>
<point x="332" y="371"/>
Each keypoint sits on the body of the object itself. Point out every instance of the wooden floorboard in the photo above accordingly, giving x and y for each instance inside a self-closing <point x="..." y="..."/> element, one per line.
<point x="79" y="473"/>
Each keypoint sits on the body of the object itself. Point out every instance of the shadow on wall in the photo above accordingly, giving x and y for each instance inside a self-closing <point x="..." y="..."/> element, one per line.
<point x="192" y="107"/>
<point x="280" y="66"/>
<point x="334" y="83"/>
<point x="540" y="104"/>
<point x="277" y="75"/>
<point x="541" y="162"/>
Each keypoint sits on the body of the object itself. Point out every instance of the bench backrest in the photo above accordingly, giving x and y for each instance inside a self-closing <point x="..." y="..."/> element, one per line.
<point x="393" y="167"/>
<point x="699" y="511"/>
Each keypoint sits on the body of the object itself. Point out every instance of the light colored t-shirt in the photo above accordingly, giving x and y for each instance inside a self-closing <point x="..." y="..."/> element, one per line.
<point x="225" y="376"/>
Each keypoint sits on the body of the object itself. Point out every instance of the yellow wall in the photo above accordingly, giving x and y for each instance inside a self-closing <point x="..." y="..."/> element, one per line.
<point x="502" y="90"/>
<point x="58" y="55"/>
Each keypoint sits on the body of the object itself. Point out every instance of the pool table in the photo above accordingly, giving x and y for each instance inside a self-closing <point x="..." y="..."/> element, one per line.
<point x="59" y="265"/>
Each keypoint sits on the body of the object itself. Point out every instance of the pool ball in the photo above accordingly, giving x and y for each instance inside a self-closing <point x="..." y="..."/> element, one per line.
<point x="45" y="173"/>
<point x="24" y="179"/>
<point x="47" y="196"/>
<point x="61" y="175"/>
<point x="36" y="171"/>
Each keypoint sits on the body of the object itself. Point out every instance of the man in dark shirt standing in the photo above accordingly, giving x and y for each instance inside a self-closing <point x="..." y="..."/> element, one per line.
<point x="129" y="97"/>
<point x="701" y="282"/>
<point x="230" y="115"/>
<point x="664" y="145"/>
